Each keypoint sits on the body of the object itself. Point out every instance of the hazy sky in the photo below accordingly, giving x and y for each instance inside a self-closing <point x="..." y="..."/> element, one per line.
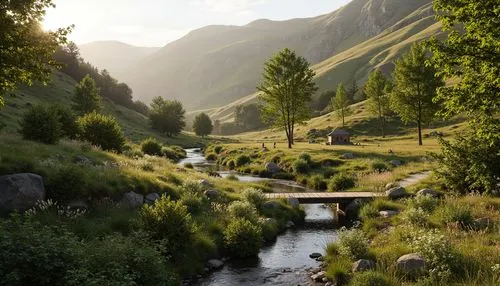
<point x="157" y="22"/>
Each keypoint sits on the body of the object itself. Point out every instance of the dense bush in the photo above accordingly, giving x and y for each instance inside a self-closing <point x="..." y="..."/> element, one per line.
<point x="218" y="149"/>
<point x="370" y="278"/>
<point x="379" y="166"/>
<point x="211" y="157"/>
<point x="243" y="238"/>
<point x="368" y="211"/>
<point x="455" y="213"/>
<point x="242" y="160"/>
<point x="300" y="166"/>
<point x="305" y="156"/>
<point x="245" y="210"/>
<point x="352" y="243"/>
<point x="427" y="203"/>
<point x="168" y="221"/>
<point x="341" y="182"/>
<point x="41" y="124"/>
<point x="318" y="183"/>
<point x="67" y="183"/>
<point x="173" y="153"/>
<point x="101" y="130"/>
<point x="189" y="165"/>
<point x="151" y="147"/>
<point x="470" y="164"/>
<point x="69" y="127"/>
<point x="193" y="201"/>
<point x="254" y="196"/>
<point x="415" y="216"/>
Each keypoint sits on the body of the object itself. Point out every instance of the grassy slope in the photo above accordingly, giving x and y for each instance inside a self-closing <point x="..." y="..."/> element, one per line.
<point x="60" y="91"/>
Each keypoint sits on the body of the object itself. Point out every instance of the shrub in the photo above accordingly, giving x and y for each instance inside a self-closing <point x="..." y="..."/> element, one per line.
<point x="193" y="202"/>
<point x="305" y="156"/>
<point x="41" y="124"/>
<point x="188" y="165"/>
<point x="101" y="130"/>
<point x="231" y="165"/>
<point x="173" y="153"/>
<point x="232" y="177"/>
<point x="352" y="243"/>
<point x="151" y="147"/>
<point x="379" y="166"/>
<point x="427" y="203"/>
<point x="254" y="196"/>
<point x="283" y="176"/>
<point x="368" y="211"/>
<point x="242" y="160"/>
<point x="416" y="216"/>
<point x="67" y="183"/>
<point x="300" y="166"/>
<point x="243" y="238"/>
<point x="67" y="119"/>
<point x="370" y="278"/>
<point x="455" y="213"/>
<point x="211" y="157"/>
<point x="341" y="182"/>
<point x="217" y="149"/>
<point x="148" y="167"/>
<point x="169" y="221"/>
<point x="318" y="183"/>
<point x="191" y="186"/>
<point x="246" y="210"/>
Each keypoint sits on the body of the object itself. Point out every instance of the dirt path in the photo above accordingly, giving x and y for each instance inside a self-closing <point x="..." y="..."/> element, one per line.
<point x="413" y="179"/>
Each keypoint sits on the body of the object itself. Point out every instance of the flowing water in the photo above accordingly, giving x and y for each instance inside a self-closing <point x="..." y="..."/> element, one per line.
<point x="285" y="262"/>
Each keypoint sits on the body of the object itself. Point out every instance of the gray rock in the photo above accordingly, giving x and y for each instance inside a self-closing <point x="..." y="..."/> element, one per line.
<point x="82" y="160"/>
<point x="348" y="156"/>
<point x="78" y="204"/>
<point x="293" y="202"/>
<point x="212" y="194"/>
<point x="396" y="163"/>
<point x="151" y="198"/>
<point x="396" y="193"/>
<point x="272" y="168"/>
<point x="318" y="277"/>
<point x="410" y="263"/>
<point x="315" y="270"/>
<point x="324" y="280"/>
<point x="428" y="192"/>
<point x="204" y="183"/>
<point x="329" y="284"/>
<point x="320" y="259"/>
<point x="363" y="265"/>
<point x="132" y="200"/>
<point x="387" y="214"/>
<point x="315" y="255"/>
<point x="352" y="209"/>
<point x="290" y="224"/>
<point x="271" y="205"/>
<point x="20" y="191"/>
<point x="214" y="264"/>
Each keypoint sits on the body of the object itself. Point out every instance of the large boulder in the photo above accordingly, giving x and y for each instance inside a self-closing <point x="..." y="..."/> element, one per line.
<point x="388" y="213"/>
<point x="215" y="264"/>
<point x="363" y="265"/>
<point x="410" y="263"/>
<point x="428" y="192"/>
<point x="352" y="209"/>
<point x="315" y="255"/>
<point x="272" y="168"/>
<point x="212" y="194"/>
<point x="293" y="202"/>
<point x="270" y="205"/>
<point x="132" y="200"/>
<point x="151" y="198"/>
<point x="20" y="192"/>
<point x="396" y="193"/>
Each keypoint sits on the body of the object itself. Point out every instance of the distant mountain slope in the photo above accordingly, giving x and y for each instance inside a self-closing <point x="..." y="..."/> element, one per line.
<point x="216" y="65"/>
<point x="114" y="56"/>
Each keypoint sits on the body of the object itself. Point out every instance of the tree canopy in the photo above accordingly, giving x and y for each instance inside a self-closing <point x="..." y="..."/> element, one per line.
<point x="340" y="103"/>
<point x="377" y="88"/>
<point x="286" y="91"/>
<point x="167" y="116"/>
<point x="470" y="58"/>
<point x="87" y="97"/>
<point x="26" y="51"/>
<point x="415" y="85"/>
<point x="202" y="125"/>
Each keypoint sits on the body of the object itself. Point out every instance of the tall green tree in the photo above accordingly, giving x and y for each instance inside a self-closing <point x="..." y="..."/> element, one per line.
<point x="377" y="89"/>
<point x="470" y="58"/>
<point x="202" y="125"/>
<point x="167" y="116"/>
<point x="323" y="100"/>
<point x="26" y="51"/>
<point x="87" y="97"/>
<point x="415" y="85"/>
<point x="340" y="104"/>
<point x="286" y="92"/>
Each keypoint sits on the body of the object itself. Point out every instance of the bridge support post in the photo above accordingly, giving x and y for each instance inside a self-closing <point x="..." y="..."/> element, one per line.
<point x="342" y="213"/>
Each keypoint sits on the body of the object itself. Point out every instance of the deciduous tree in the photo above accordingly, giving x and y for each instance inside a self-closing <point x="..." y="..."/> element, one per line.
<point x="87" y="97"/>
<point x="167" y="116"/>
<point x="377" y="89"/>
<point x="340" y="103"/>
<point x="286" y="92"/>
<point x="202" y="125"/>
<point x="415" y="85"/>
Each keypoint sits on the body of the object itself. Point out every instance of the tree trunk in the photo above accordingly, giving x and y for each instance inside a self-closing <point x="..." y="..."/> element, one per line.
<point x="383" y="127"/>
<point x="420" y="143"/>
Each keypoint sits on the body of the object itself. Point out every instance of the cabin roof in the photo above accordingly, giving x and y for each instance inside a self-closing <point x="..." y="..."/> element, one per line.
<point x="339" y="132"/>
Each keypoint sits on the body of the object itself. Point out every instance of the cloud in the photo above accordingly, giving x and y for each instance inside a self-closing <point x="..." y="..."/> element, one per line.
<point x="225" y="6"/>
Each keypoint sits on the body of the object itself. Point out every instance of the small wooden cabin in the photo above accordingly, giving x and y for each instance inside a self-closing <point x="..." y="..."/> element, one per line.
<point x="339" y="137"/>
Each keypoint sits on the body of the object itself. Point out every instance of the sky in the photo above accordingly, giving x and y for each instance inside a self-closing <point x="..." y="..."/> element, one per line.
<point x="157" y="22"/>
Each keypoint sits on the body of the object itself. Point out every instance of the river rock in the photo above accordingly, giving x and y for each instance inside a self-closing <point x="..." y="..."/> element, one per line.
<point x="314" y="270"/>
<point x="290" y="224"/>
<point x="315" y="255"/>
<point x="132" y="200"/>
<point x="387" y="214"/>
<point x="272" y="168"/>
<point x="363" y="265"/>
<point x="318" y="277"/>
<point x="329" y="284"/>
<point x="20" y="191"/>
<point x="396" y="193"/>
<point x="212" y="194"/>
<point x="293" y="202"/>
<point x="410" y="263"/>
<point x="428" y="192"/>
<point x="352" y="209"/>
<point x="204" y="183"/>
<point x="348" y="156"/>
<point x="215" y="264"/>
<point x="271" y="205"/>
<point x="151" y="198"/>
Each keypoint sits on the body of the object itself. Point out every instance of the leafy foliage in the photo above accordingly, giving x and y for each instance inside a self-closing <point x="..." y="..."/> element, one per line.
<point x="87" y="98"/>
<point x="69" y="127"/>
<point x="254" y="196"/>
<point x="286" y="92"/>
<point x="243" y="209"/>
<point x="101" y="130"/>
<point x="41" y="124"/>
<point x="370" y="278"/>
<point x="377" y="90"/>
<point x="202" y="125"/>
<point x="340" y="103"/>
<point x="151" y="147"/>
<point x="243" y="238"/>
<point x="415" y="85"/>
<point x="248" y="116"/>
<point x="300" y="166"/>
<point x="167" y="116"/>
<point x="341" y="182"/>
<point x="352" y="243"/>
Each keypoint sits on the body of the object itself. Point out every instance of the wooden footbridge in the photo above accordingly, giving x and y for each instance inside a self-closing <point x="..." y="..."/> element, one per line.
<point x="324" y="198"/>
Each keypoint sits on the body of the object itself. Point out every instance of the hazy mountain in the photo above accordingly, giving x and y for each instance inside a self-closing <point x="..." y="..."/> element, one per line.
<point x="113" y="55"/>
<point x="215" y="65"/>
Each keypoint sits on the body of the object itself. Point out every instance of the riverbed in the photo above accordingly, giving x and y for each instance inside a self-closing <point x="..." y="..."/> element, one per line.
<point x="286" y="261"/>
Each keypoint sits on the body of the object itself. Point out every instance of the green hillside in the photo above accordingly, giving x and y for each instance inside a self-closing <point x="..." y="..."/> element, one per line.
<point x="215" y="65"/>
<point x="60" y="90"/>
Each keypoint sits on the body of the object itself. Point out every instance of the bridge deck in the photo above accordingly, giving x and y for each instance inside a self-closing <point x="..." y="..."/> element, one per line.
<point x="318" y="198"/>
